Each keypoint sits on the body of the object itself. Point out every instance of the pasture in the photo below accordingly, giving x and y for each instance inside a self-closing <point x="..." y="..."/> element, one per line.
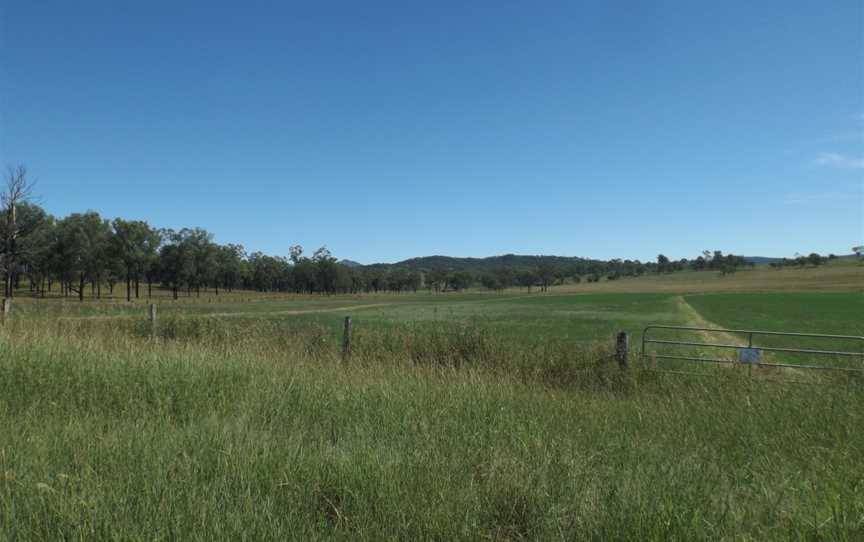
<point x="459" y="416"/>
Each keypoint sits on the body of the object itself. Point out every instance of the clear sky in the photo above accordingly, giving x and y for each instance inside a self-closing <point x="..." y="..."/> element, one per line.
<point x="387" y="130"/>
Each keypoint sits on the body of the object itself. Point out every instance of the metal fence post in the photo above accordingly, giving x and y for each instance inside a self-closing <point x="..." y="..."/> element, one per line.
<point x="346" y="339"/>
<point x="622" y="345"/>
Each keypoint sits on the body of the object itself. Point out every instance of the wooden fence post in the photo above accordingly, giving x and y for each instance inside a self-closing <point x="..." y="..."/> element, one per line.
<point x="151" y="314"/>
<point x="622" y="345"/>
<point x="7" y="307"/>
<point x="346" y="339"/>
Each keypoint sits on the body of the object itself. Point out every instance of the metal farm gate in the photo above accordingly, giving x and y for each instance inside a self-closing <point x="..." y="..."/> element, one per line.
<point x="749" y="348"/>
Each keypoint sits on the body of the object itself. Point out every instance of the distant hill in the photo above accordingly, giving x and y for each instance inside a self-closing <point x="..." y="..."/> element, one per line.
<point x="769" y="259"/>
<point x="516" y="262"/>
<point x="761" y="259"/>
<point x="350" y="263"/>
<point x="512" y="261"/>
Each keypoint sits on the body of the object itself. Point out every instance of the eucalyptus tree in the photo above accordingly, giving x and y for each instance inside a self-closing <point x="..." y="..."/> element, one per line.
<point x="32" y="226"/>
<point x="153" y="270"/>
<point x="149" y="264"/>
<point x="134" y="245"/>
<point x="358" y="280"/>
<point x="206" y="261"/>
<point x="171" y="264"/>
<point x="114" y="272"/>
<point x="397" y="279"/>
<point x="460" y="280"/>
<point x="414" y="280"/>
<point x="374" y="279"/>
<point x="197" y="257"/>
<point x="83" y="243"/>
<point x="662" y="263"/>
<point x="505" y="276"/>
<point x="326" y="272"/>
<point x="344" y="279"/>
<point x="490" y="281"/>
<point x="177" y="260"/>
<point x="815" y="259"/>
<point x="527" y="278"/>
<point x="295" y="253"/>
<point x="437" y="279"/>
<point x="229" y="262"/>
<point x="36" y="230"/>
<point x="546" y="273"/>
<point x="267" y="272"/>
<point x="304" y="275"/>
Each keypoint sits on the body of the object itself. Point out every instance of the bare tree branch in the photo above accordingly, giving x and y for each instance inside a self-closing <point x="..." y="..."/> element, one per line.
<point x="17" y="190"/>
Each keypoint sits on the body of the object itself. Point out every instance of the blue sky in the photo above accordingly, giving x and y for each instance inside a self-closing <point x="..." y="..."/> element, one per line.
<point x="387" y="130"/>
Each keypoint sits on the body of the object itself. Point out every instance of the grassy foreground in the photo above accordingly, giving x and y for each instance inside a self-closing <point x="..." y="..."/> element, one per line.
<point x="218" y="431"/>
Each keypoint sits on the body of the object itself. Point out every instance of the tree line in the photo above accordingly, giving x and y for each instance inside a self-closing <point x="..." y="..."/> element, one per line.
<point x="813" y="259"/>
<point x="86" y="254"/>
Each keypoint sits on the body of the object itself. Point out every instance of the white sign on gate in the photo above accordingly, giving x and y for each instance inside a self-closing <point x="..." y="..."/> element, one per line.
<point x="750" y="355"/>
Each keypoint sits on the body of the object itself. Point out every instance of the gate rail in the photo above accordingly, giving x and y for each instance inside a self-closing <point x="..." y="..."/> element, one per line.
<point x="750" y="354"/>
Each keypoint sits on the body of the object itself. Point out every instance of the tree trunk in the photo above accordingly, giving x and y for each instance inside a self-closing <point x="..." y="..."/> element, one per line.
<point x="137" y="283"/>
<point x="81" y="287"/>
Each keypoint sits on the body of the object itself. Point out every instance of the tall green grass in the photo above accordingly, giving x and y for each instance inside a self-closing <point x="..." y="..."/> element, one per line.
<point x="255" y="429"/>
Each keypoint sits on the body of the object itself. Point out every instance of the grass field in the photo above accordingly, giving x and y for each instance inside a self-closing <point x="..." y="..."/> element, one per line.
<point x="459" y="416"/>
<point x="822" y="312"/>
